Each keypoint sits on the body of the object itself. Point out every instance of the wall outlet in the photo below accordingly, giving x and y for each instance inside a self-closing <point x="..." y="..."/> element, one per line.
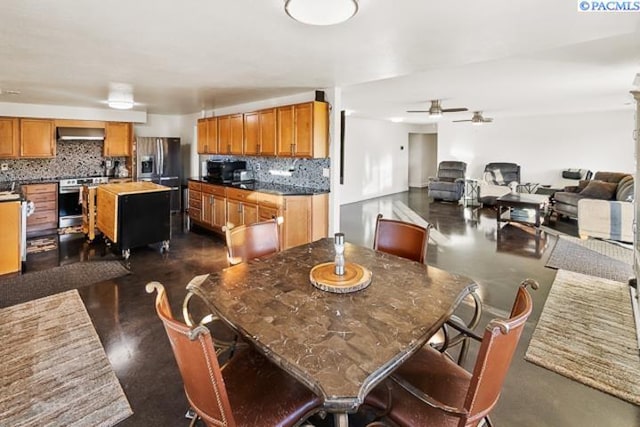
<point x="326" y="172"/>
<point x="257" y="166"/>
<point x="4" y="167"/>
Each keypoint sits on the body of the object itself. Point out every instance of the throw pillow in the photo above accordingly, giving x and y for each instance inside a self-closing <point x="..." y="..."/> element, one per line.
<point x="600" y="190"/>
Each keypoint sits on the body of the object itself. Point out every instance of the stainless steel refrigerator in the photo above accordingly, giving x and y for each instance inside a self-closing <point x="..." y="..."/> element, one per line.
<point x="159" y="161"/>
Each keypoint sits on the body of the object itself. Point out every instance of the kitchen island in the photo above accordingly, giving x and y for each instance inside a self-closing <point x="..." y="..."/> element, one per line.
<point x="134" y="214"/>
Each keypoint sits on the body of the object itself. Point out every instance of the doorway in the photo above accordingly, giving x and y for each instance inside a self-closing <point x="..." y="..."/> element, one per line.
<point x="423" y="158"/>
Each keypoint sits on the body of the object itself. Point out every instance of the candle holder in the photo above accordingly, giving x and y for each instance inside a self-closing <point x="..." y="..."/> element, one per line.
<point x="338" y="244"/>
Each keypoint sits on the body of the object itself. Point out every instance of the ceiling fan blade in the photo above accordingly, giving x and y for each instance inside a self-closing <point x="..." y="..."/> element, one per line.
<point x="454" y="110"/>
<point x="488" y="119"/>
<point x="461" y="120"/>
<point x="417" y="111"/>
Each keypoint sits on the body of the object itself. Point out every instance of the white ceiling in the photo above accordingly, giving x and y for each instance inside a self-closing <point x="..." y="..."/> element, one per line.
<point x="504" y="57"/>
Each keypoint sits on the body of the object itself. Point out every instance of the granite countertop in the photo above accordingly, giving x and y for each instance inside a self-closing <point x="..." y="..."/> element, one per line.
<point x="268" y="187"/>
<point x="10" y="192"/>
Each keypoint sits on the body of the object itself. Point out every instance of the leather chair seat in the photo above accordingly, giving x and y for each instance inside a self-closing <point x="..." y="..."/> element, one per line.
<point x="270" y="393"/>
<point x="432" y="372"/>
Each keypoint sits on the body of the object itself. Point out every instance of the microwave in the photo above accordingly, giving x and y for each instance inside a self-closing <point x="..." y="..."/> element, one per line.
<point x="221" y="171"/>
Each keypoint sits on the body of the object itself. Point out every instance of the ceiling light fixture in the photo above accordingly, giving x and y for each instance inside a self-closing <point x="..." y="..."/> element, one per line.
<point x="120" y="96"/>
<point x="321" y="12"/>
<point x="435" y="111"/>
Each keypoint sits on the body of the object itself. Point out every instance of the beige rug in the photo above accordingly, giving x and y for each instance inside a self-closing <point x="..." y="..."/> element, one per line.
<point x="53" y="370"/>
<point x="586" y="332"/>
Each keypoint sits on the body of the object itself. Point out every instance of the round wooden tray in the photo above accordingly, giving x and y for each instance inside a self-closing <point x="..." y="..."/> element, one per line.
<point x="355" y="278"/>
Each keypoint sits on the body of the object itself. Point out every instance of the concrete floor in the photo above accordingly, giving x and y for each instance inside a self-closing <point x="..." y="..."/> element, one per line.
<point x="138" y="349"/>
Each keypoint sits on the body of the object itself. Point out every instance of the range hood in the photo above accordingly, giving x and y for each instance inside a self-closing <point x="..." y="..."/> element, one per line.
<point x="91" y="134"/>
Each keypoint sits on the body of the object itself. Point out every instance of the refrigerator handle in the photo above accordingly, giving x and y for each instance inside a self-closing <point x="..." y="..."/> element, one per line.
<point x="161" y="143"/>
<point x="159" y="156"/>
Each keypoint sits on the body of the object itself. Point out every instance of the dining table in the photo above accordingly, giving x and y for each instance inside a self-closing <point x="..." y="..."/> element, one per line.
<point x="340" y="345"/>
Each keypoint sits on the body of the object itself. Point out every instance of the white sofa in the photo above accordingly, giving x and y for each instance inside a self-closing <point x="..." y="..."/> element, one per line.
<point x="605" y="219"/>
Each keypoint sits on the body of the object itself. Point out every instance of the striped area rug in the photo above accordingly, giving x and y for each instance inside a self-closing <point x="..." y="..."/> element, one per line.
<point x="586" y="332"/>
<point x="53" y="370"/>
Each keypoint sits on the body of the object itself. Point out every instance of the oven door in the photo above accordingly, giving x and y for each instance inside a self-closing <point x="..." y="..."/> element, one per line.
<point x="69" y="207"/>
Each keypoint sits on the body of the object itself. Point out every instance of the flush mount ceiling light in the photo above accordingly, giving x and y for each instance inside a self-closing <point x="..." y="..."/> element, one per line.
<point x="120" y="96"/>
<point x="321" y="12"/>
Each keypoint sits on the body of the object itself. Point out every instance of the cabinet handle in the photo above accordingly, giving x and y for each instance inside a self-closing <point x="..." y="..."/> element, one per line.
<point x="239" y="207"/>
<point x="293" y="148"/>
<point x="228" y="148"/>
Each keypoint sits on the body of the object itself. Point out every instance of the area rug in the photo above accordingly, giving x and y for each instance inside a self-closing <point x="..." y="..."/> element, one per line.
<point x="593" y="258"/>
<point x="29" y="286"/>
<point x="53" y="370"/>
<point x="587" y="333"/>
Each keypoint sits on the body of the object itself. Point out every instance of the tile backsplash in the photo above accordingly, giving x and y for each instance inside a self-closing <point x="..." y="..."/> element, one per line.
<point x="304" y="172"/>
<point x="74" y="159"/>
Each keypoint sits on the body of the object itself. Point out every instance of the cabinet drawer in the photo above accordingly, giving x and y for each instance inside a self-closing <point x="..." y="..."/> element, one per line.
<point x="195" y="214"/>
<point x="195" y="186"/>
<point x="43" y="198"/>
<point x="213" y="189"/>
<point x="266" y="213"/>
<point x="42" y="218"/>
<point x="41" y="188"/>
<point x="195" y="203"/>
<point x="241" y="195"/>
<point x="45" y="206"/>
<point x="273" y="200"/>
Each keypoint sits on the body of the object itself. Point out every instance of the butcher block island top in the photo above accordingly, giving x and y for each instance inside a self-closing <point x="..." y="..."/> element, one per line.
<point x="133" y="188"/>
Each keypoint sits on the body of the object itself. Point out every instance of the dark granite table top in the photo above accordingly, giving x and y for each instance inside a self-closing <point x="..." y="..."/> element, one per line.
<point x="268" y="187"/>
<point x="339" y="345"/>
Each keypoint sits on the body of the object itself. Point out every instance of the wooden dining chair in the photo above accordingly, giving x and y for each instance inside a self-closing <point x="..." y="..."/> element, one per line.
<point x="247" y="391"/>
<point x="245" y="242"/>
<point x="430" y="389"/>
<point x="400" y="238"/>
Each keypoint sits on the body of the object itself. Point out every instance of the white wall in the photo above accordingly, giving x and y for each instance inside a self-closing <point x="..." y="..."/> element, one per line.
<point x="376" y="158"/>
<point x="423" y="158"/>
<point x="543" y="145"/>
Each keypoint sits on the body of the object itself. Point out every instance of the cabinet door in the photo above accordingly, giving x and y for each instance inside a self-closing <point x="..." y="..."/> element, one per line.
<point x="303" y="130"/>
<point x="224" y="135"/>
<point x="249" y="213"/>
<point x="234" y="212"/>
<point x="219" y="211"/>
<point x="37" y="138"/>
<point x="212" y="136"/>
<point x="203" y="138"/>
<point x="296" y="227"/>
<point x="236" y="126"/>
<point x="9" y="138"/>
<point x="268" y="132"/>
<point x="10" y="255"/>
<point x="117" y="139"/>
<point x="252" y="133"/>
<point x="285" y="130"/>
<point x="207" y="208"/>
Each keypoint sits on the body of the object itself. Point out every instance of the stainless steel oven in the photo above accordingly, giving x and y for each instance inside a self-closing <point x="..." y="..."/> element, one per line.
<point x="70" y="199"/>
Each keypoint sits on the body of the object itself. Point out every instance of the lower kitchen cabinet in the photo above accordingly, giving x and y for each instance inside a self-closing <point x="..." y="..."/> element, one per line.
<point x="241" y="207"/>
<point x="214" y="207"/>
<point x="45" y="214"/>
<point x="194" y="206"/>
<point x="10" y="250"/>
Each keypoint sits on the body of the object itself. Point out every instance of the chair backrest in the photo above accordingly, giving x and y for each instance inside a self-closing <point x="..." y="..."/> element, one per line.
<point x="198" y="364"/>
<point x="494" y="357"/>
<point x="401" y="239"/>
<point x="500" y="173"/>
<point x="246" y="242"/>
<point x="451" y="170"/>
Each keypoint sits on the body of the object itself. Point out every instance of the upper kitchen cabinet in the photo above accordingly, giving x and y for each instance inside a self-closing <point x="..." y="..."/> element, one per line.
<point x="260" y="133"/>
<point x="117" y="139"/>
<point x="37" y="138"/>
<point x="303" y="130"/>
<point x="208" y="135"/>
<point x="230" y="134"/>
<point x="9" y="138"/>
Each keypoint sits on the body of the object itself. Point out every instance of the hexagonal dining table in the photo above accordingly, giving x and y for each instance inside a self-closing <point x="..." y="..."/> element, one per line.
<point x="340" y="345"/>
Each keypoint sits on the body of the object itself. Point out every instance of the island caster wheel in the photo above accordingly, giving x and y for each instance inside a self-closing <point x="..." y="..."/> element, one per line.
<point x="165" y="246"/>
<point x="126" y="254"/>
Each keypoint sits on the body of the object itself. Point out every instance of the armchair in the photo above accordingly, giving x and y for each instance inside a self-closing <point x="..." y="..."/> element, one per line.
<point x="497" y="180"/>
<point x="449" y="184"/>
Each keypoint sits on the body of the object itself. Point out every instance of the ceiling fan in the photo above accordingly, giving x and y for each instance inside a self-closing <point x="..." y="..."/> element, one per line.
<point x="436" y="109"/>
<point x="477" y="119"/>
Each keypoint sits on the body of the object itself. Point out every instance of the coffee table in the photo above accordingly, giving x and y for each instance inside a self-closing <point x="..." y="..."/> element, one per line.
<point x="516" y="204"/>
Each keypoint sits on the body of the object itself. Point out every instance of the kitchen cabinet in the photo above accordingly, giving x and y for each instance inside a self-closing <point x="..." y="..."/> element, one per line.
<point x="224" y="135"/>
<point x="236" y="137"/>
<point x="10" y="250"/>
<point x="208" y="135"/>
<point x="117" y="139"/>
<point x="241" y="207"/>
<point x="214" y="206"/>
<point x="45" y="214"/>
<point x="195" y="201"/>
<point x="260" y="133"/>
<point x="134" y="214"/>
<point x="303" y="130"/>
<point x="9" y="138"/>
<point x="37" y="138"/>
